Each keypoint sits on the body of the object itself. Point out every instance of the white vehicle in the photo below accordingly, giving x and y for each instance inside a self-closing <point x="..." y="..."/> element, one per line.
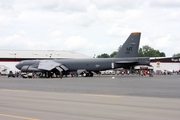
<point x="108" y="72"/>
<point x="3" y="70"/>
<point x="27" y="75"/>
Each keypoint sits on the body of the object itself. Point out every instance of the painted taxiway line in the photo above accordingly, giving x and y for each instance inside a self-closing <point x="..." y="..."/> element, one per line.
<point x="11" y="90"/>
<point x="94" y="95"/>
<point x="17" y="117"/>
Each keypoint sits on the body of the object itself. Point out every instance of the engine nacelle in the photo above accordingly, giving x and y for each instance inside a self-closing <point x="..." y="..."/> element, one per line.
<point x="24" y="69"/>
<point x="29" y="69"/>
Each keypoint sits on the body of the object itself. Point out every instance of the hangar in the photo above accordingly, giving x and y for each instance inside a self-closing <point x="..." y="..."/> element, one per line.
<point x="166" y="63"/>
<point x="10" y="58"/>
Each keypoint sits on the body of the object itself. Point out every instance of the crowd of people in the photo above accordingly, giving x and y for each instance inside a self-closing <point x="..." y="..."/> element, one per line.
<point x="167" y="72"/>
<point x="143" y="72"/>
<point x="140" y="72"/>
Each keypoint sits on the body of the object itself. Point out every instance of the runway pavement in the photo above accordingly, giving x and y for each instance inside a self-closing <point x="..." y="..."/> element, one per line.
<point x="87" y="98"/>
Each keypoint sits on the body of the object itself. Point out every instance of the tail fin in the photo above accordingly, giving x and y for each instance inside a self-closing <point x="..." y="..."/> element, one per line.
<point x="130" y="47"/>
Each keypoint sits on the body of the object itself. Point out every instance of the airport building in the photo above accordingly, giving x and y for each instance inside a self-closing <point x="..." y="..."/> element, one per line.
<point x="9" y="58"/>
<point x="166" y="63"/>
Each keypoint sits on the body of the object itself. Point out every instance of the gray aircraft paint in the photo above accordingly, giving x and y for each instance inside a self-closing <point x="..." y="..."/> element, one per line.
<point x="125" y="58"/>
<point x="130" y="47"/>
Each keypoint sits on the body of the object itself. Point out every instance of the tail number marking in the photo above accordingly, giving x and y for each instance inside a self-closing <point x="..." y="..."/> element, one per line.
<point x="128" y="49"/>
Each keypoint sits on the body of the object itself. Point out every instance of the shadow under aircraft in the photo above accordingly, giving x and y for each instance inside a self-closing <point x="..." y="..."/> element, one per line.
<point x="126" y="57"/>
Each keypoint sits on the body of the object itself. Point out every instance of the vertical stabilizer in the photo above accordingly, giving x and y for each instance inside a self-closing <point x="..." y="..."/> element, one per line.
<point x="130" y="47"/>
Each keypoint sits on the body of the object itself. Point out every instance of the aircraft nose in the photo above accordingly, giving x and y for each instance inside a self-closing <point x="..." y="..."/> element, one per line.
<point x="18" y="66"/>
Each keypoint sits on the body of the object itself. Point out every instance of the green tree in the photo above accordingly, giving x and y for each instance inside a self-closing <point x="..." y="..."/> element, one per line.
<point x="104" y="55"/>
<point x="140" y="53"/>
<point x="147" y="51"/>
<point x="162" y="54"/>
<point x="176" y="55"/>
<point x="113" y="54"/>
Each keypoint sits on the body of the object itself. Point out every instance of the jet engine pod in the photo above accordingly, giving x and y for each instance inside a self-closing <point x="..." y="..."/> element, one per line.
<point x="24" y="69"/>
<point x="29" y="69"/>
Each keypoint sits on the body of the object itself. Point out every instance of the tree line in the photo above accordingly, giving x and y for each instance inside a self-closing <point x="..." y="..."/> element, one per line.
<point x="145" y="51"/>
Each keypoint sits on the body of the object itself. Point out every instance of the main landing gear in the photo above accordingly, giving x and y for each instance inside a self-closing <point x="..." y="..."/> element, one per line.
<point x="88" y="74"/>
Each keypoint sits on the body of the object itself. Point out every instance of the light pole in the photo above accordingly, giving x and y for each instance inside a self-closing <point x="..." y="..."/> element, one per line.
<point x="94" y="56"/>
<point x="15" y="56"/>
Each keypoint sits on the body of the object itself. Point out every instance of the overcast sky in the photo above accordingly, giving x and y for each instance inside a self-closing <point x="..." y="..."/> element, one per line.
<point x="89" y="26"/>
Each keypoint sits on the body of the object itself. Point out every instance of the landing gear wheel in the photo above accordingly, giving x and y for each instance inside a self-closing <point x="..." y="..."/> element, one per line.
<point x="91" y="74"/>
<point x="61" y="75"/>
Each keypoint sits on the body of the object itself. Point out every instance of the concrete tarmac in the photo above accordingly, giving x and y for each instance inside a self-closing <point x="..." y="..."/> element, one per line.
<point x="97" y="98"/>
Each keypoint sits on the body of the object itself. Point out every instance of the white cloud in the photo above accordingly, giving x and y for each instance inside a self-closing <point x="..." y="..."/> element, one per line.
<point x="13" y="41"/>
<point x="116" y="30"/>
<point x="165" y="3"/>
<point x="117" y="5"/>
<point x="163" y="42"/>
<point x="109" y="15"/>
<point x="88" y="26"/>
<point x="22" y="32"/>
<point x="77" y="43"/>
<point x="57" y="33"/>
<point x="132" y="14"/>
<point x="145" y="41"/>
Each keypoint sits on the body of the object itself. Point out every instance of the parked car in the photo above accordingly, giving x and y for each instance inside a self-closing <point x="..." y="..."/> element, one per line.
<point x="108" y="72"/>
<point x="26" y="75"/>
<point x="11" y="74"/>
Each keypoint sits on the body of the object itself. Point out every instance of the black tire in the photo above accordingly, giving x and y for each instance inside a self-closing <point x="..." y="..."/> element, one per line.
<point x="91" y="74"/>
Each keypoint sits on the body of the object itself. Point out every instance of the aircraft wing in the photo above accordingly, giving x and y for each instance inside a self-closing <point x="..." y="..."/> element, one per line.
<point x="125" y="62"/>
<point x="48" y="65"/>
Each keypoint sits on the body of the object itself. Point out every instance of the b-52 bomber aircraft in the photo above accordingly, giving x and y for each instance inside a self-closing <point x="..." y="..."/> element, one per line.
<point x="127" y="57"/>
